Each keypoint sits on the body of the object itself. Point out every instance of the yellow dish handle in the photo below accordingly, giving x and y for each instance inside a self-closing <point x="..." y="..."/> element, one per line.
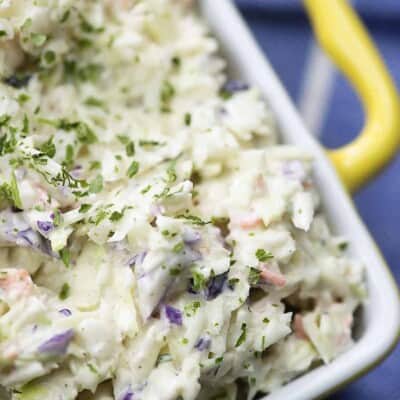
<point x="342" y="35"/>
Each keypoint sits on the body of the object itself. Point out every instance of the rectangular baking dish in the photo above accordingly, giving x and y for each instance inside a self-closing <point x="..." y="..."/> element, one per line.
<point x="379" y="325"/>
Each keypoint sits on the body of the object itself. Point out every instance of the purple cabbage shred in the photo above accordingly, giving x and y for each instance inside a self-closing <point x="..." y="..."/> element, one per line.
<point x="215" y="286"/>
<point x="234" y="86"/>
<point x="65" y="311"/>
<point x="203" y="344"/>
<point x="28" y="235"/>
<point x="58" y="344"/>
<point x="190" y="288"/>
<point x="173" y="314"/>
<point x="137" y="259"/>
<point x="128" y="395"/>
<point x="46" y="248"/>
<point x="16" y="81"/>
<point x="45" y="226"/>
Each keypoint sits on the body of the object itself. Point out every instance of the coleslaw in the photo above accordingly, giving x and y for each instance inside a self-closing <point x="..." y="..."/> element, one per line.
<point x="157" y="242"/>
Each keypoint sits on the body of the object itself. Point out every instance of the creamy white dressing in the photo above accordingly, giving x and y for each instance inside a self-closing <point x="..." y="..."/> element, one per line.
<point x="157" y="242"/>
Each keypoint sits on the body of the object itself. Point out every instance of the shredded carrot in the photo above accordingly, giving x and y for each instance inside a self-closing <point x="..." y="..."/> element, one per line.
<point x="298" y="327"/>
<point x="275" y="278"/>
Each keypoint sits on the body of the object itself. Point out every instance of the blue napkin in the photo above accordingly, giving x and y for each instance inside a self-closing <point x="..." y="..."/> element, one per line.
<point x="368" y="8"/>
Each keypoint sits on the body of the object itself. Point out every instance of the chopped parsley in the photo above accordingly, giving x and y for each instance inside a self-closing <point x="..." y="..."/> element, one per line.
<point x="176" y="62"/>
<point x="263" y="342"/>
<point x="15" y="192"/>
<point x="94" y="165"/>
<point x="171" y="172"/>
<point x="93" y="102"/>
<point x="263" y="255"/>
<point x="89" y="72"/>
<point x="149" y="143"/>
<point x="191" y="308"/>
<point x="225" y="94"/>
<point x="165" y="193"/>
<point x="145" y="189"/>
<point x="8" y="143"/>
<point x="100" y="216"/>
<point x="23" y="98"/>
<point x="167" y="92"/>
<point x="9" y="192"/>
<point x="194" y="219"/>
<point x="64" y="292"/>
<point x="254" y="276"/>
<point x="49" y="57"/>
<point x="93" y="369"/>
<point x="166" y="95"/>
<point x="65" y="16"/>
<point x="38" y="39"/>
<point x="87" y="27"/>
<point x="130" y="149"/>
<point x="188" y="119"/>
<point x="199" y="281"/>
<point x="133" y="169"/>
<point x="242" y="337"/>
<point x="25" y="126"/>
<point x="57" y="219"/>
<point x="69" y="156"/>
<point x="96" y="186"/>
<point x="4" y="120"/>
<point x="175" y="271"/>
<point x="123" y="139"/>
<point x="48" y="148"/>
<point x="85" y="208"/>
<point x="116" y="216"/>
<point x="65" y="257"/>
<point x="233" y="282"/>
<point x="83" y="132"/>
<point x="178" y="247"/>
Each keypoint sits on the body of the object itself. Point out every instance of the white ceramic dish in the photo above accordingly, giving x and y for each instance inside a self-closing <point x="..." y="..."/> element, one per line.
<point x="380" y="322"/>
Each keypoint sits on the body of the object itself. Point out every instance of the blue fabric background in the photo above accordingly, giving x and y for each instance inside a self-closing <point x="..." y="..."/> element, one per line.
<point x="282" y="30"/>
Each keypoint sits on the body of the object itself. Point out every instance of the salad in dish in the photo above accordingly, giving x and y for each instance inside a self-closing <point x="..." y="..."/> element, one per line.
<point x="157" y="242"/>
